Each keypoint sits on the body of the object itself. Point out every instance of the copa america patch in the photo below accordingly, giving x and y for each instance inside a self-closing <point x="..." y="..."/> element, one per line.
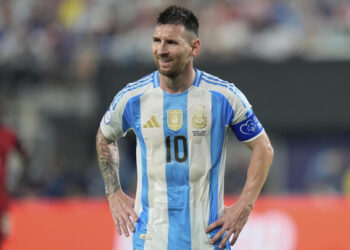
<point x="108" y="116"/>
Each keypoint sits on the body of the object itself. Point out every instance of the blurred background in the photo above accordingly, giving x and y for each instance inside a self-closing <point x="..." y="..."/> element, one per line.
<point x="62" y="62"/>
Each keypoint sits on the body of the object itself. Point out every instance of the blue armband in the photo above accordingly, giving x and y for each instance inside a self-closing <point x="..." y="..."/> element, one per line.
<point x="249" y="128"/>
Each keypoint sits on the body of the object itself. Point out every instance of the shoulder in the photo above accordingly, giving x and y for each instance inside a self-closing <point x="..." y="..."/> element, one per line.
<point x="134" y="89"/>
<point x="223" y="88"/>
<point x="214" y="83"/>
<point x="141" y="83"/>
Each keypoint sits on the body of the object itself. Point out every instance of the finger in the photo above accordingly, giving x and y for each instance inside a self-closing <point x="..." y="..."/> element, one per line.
<point x="225" y="239"/>
<point x="117" y="227"/>
<point x="217" y="236"/>
<point x="134" y="215"/>
<point x="213" y="225"/>
<point x="123" y="226"/>
<point x="235" y="237"/>
<point x="129" y="223"/>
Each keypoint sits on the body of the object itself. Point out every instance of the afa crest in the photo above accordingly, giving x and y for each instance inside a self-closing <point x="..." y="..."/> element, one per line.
<point x="199" y="117"/>
<point x="174" y="119"/>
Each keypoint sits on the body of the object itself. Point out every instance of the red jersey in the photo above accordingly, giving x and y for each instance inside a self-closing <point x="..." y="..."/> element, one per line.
<point x="8" y="141"/>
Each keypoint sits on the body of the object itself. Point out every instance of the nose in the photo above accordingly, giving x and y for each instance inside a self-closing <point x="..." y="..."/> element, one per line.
<point x="163" y="48"/>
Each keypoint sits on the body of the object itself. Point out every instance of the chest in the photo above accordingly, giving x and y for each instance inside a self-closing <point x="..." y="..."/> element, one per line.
<point x="187" y="114"/>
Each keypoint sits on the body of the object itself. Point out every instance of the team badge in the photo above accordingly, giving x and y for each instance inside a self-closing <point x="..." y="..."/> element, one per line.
<point x="174" y="119"/>
<point x="199" y="117"/>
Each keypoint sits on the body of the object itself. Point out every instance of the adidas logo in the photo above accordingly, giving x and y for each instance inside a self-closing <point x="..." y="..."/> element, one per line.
<point x="152" y="123"/>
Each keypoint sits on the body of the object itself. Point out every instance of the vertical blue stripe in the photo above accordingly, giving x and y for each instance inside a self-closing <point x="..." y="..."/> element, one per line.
<point x="199" y="78"/>
<point x="196" y="77"/>
<point x="131" y="117"/>
<point x="156" y="79"/>
<point x="219" y="113"/>
<point x="177" y="177"/>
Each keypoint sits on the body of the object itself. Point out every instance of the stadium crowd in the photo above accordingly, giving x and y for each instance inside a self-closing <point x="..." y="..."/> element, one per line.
<point x="55" y="33"/>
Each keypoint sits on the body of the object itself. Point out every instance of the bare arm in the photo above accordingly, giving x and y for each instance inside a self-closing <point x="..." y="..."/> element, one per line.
<point x="236" y="216"/>
<point x="261" y="159"/>
<point x="121" y="205"/>
<point x="108" y="160"/>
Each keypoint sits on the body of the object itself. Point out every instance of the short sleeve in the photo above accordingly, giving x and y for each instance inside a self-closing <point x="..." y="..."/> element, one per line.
<point x="245" y="125"/>
<point x="112" y="125"/>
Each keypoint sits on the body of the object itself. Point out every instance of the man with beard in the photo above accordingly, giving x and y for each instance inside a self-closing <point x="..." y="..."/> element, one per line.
<point x="181" y="117"/>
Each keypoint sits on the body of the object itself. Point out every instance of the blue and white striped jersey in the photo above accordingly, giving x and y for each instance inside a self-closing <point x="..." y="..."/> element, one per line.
<point x="181" y="153"/>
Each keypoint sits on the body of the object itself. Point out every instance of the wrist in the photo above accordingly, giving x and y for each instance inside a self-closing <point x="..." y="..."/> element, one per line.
<point x="246" y="203"/>
<point x="110" y="194"/>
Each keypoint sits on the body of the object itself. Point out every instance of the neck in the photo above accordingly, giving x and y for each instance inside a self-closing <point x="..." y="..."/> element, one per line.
<point x="179" y="83"/>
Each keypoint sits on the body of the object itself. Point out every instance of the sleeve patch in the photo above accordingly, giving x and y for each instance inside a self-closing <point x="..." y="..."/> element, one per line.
<point x="108" y="116"/>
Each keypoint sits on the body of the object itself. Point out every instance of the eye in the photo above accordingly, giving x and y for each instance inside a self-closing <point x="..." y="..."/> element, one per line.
<point x="156" y="40"/>
<point x="172" y="42"/>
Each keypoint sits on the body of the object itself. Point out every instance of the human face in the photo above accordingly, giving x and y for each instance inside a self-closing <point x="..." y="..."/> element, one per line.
<point x="172" y="49"/>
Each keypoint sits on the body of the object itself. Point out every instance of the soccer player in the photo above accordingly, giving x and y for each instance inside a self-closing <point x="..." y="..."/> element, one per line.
<point x="8" y="142"/>
<point x="181" y="117"/>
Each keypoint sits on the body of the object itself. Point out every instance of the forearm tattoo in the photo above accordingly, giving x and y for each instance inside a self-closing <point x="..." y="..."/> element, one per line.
<point x="108" y="160"/>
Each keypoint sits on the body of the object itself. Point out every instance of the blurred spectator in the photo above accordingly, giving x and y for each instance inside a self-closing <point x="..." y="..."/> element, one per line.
<point x="327" y="171"/>
<point x="8" y="143"/>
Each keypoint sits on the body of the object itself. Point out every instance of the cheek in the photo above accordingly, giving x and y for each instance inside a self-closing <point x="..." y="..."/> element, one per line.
<point x="186" y="55"/>
<point x="154" y="53"/>
<point x="183" y="55"/>
<point x="154" y="49"/>
<point x="187" y="52"/>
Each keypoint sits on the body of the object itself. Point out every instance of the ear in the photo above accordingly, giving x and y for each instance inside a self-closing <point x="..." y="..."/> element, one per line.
<point x="196" y="44"/>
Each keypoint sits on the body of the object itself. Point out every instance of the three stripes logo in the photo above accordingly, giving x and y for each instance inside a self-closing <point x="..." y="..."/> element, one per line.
<point x="152" y="123"/>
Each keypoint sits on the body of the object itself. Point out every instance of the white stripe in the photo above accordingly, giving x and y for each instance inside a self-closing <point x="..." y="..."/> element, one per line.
<point x="157" y="228"/>
<point x="138" y="205"/>
<point x="200" y="164"/>
<point x="222" y="175"/>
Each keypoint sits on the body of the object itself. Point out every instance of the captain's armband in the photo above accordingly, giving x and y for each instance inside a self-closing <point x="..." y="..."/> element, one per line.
<point x="249" y="128"/>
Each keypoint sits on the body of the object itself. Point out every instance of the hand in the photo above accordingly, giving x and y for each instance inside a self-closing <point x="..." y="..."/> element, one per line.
<point x="232" y="222"/>
<point x="122" y="208"/>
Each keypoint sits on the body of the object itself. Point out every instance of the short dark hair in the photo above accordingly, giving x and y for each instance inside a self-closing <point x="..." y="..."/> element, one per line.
<point x="175" y="14"/>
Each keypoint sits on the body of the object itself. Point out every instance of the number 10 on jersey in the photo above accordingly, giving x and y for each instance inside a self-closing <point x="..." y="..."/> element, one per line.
<point x="179" y="142"/>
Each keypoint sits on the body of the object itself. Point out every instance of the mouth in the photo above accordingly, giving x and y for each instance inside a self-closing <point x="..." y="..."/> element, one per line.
<point x="165" y="62"/>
